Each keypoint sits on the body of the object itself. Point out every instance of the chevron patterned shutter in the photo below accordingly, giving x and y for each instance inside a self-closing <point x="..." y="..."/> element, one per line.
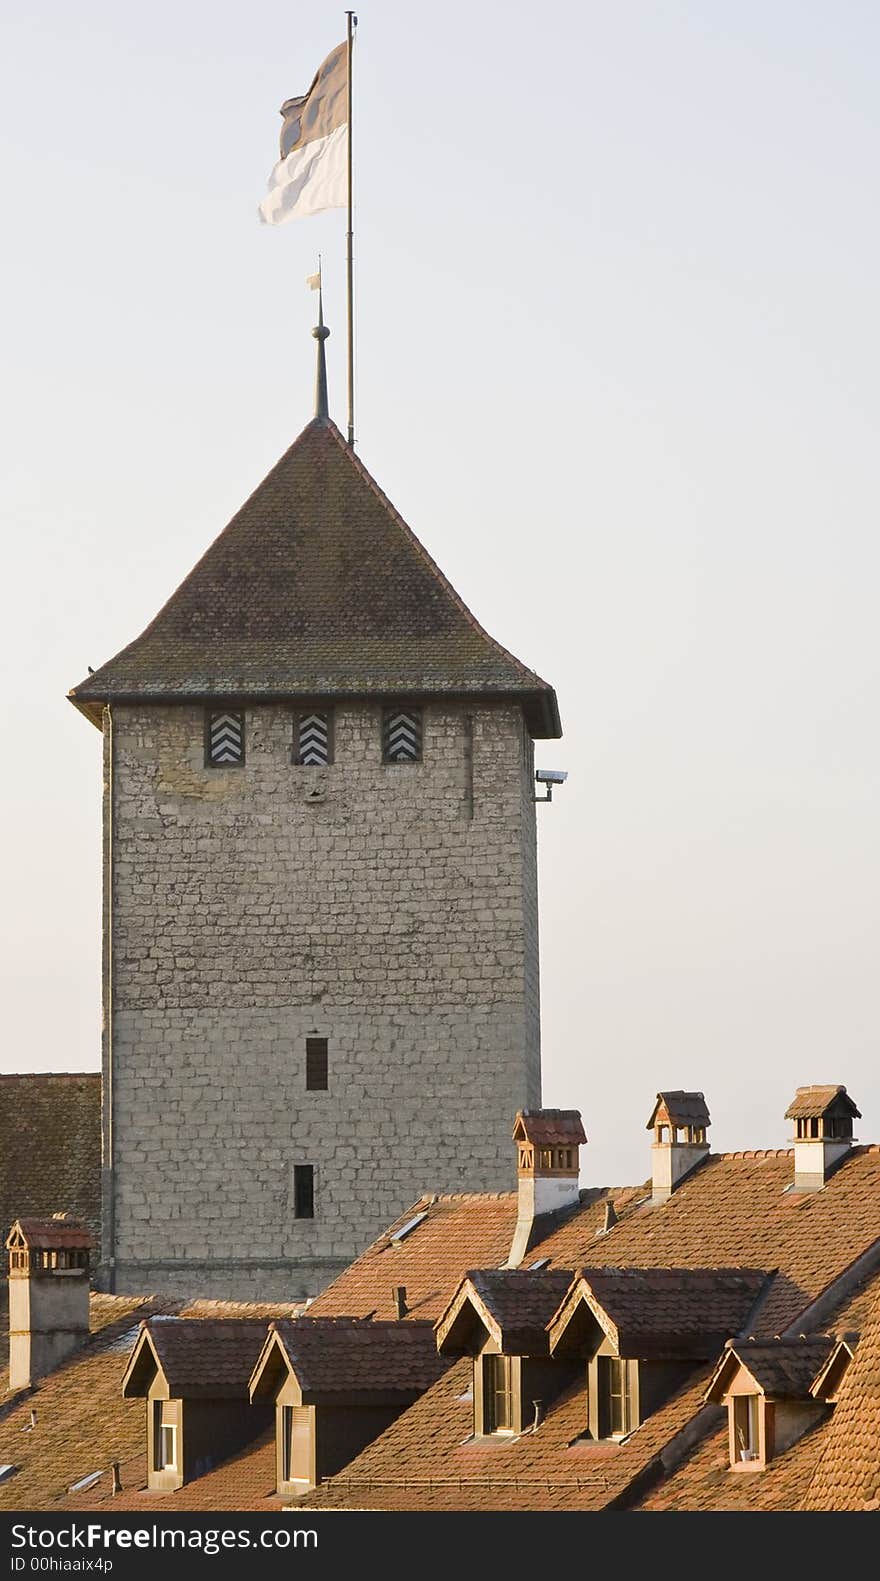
<point x="312" y="744"/>
<point x="225" y="740"/>
<point x="401" y="735"/>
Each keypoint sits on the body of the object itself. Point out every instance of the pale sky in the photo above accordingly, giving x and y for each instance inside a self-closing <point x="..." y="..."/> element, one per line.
<point x="618" y="350"/>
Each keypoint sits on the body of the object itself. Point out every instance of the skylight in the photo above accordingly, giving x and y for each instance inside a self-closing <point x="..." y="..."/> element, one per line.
<point x="6" y="1472"/>
<point x="85" y="1482"/>
<point x="407" y="1228"/>
<point x="541" y="1263"/>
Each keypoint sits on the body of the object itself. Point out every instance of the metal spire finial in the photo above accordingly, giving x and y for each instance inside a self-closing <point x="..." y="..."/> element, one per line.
<point x="320" y="333"/>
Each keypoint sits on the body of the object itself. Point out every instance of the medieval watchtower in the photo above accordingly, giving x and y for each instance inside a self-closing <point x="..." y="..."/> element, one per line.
<point x="320" y="971"/>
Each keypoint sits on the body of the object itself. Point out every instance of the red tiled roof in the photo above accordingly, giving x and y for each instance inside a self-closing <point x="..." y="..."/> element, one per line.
<point x="60" y="1233"/>
<point x="518" y="1303"/>
<point x="550" y="1127"/>
<point x="82" y="1422"/>
<point x="847" y="1476"/>
<point x="683" y="1108"/>
<point x="668" y="1313"/>
<point x="428" y="1459"/>
<point x="317" y="587"/>
<point x="354" y="1355"/>
<point x="200" y="1358"/>
<point x="783" y="1368"/>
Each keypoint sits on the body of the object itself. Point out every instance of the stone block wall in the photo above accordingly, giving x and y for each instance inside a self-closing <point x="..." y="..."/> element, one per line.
<point x="395" y="914"/>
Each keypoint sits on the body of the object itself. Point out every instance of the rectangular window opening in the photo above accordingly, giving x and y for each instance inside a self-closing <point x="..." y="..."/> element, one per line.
<point x="286" y="1442"/>
<point x="304" y="1191"/>
<point x="313" y="740"/>
<point x="316" y="1064"/>
<point x="401" y="735"/>
<point x="615" y="1398"/>
<point x="498" y="1394"/>
<point x="224" y="740"/>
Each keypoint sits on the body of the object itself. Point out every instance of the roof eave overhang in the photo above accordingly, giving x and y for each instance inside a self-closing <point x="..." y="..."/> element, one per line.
<point x="540" y="708"/>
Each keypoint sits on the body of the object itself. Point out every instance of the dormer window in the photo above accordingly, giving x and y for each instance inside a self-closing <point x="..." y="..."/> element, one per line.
<point x="499" y="1394"/>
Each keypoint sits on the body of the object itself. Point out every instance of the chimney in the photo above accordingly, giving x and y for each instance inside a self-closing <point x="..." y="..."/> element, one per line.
<point x="823" y="1133"/>
<point x="679" y="1121"/>
<point x="547" y="1144"/>
<point x="400" y="1307"/>
<point x="48" y="1294"/>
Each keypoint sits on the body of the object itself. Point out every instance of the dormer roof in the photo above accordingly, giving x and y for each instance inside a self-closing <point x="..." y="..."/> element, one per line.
<point x="813" y="1103"/>
<point x="61" y="1232"/>
<point x="680" y="1108"/>
<point x="199" y="1358"/>
<point x="782" y="1369"/>
<point x="549" y="1127"/>
<point x="660" y="1313"/>
<point x="317" y="587"/>
<point x="350" y="1356"/>
<point x="511" y="1306"/>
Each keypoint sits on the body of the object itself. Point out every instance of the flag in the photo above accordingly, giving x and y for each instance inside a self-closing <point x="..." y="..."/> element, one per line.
<point x="311" y="174"/>
<point x="313" y="281"/>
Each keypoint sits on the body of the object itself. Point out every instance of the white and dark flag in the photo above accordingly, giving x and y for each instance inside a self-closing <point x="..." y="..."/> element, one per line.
<point x="312" y="172"/>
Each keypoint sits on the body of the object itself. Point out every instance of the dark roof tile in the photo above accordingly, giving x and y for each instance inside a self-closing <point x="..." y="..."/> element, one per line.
<point x="317" y="587"/>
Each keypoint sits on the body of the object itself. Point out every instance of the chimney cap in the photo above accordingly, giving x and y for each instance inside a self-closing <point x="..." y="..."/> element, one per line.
<point x="813" y="1103"/>
<point x="56" y="1234"/>
<point x="549" y="1127"/>
<point x="682" y="1108"/>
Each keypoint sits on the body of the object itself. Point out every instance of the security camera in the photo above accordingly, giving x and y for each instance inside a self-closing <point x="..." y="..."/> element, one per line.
<point x="549" y="777"/>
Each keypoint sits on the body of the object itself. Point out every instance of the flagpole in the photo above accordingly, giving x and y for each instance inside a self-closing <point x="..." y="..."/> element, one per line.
<point x="352" y="24"/>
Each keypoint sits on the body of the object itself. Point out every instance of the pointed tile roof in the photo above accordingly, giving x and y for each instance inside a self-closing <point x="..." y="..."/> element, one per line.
<point x="317" y="588"/>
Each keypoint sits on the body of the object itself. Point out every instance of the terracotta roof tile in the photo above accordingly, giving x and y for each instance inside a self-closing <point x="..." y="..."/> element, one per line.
<point x="670" y="1313"/>
<point x="810" y="1103"/>
<point x="550" y="1127"/>
<point x="204" y="1358"/>
<point x="520" y="1302"/>
<point x="332" y="1355"/>
<point x="848" y="1474"/>
<point x="784" y="1368"/>
<point x="61" y="1232"/>
<point x="428" y="1459"/>
<point x="683" y="1108"/>
<point x="317" y="587"/>
<point x="83" y="1424"/>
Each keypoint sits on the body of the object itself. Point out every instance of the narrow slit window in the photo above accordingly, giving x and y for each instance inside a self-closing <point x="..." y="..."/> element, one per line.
<point x="401" y="735"/>
<point x="224" y="740"/>
<point x="304" y="1191"/>
<point x="316" y="1064"/>
<point x="313" y="740"/>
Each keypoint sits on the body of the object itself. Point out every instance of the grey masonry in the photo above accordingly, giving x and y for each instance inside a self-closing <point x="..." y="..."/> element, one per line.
<point x="387" y="907"/>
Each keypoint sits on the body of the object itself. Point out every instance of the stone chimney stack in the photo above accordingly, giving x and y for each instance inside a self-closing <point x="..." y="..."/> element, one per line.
<point x="48" y="1294"/>
<point x="679" y="1121"/>
<point x="548" y="1143"/>
<point x="823" y="1133"/>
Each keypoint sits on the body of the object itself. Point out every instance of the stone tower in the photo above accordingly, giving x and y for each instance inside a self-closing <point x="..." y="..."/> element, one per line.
<point x="320" y="971"/>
